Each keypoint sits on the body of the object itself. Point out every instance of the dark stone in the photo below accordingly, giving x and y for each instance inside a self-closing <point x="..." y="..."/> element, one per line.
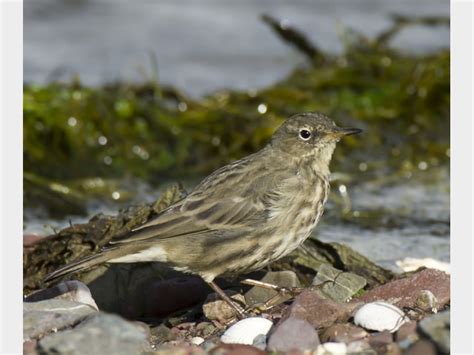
<point x="293" y="333"/>
<point x="40" y="318"/>
<point x="318" y="311"/>
<point x="438" y="329"/>
<point x="257" y="295"/>
<point x="343" y="333"/>
<point x="101" y="334"/>
<point x="154" y="297"/>
<point x="405" y="292"/>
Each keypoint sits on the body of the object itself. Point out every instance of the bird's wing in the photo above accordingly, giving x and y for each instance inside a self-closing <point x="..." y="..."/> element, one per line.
<point x="226" y="200"/>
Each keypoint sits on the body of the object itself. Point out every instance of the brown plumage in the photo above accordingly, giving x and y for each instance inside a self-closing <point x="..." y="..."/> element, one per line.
<point x="244" y="215"/>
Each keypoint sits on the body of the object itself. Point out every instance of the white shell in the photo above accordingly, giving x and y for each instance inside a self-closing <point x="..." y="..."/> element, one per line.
<point x="380" y="316"/>
<point x="332" y="348"/>
<point x="246" y="330"/>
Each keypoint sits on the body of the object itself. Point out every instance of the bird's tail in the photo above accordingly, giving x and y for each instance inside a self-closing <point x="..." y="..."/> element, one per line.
<point x="83" y="264"/>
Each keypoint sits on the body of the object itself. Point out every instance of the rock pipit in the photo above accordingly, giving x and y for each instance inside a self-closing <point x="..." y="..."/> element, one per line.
<point x="244" y="215"/>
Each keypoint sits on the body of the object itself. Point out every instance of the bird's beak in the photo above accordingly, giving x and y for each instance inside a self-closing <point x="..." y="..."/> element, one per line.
<point x="342" y="132"/>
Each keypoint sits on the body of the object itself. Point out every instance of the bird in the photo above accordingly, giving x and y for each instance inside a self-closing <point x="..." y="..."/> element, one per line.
<point x="241" y="217"/>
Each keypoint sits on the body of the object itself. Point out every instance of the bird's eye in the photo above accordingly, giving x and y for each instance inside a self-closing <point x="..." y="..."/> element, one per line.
<point x="305" y="134"/>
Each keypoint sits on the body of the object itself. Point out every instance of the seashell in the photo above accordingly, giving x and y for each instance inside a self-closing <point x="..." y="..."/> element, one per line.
<point x="246" y="330"/>
<point x="380" y="316"/>
<point x="332" y="348"/>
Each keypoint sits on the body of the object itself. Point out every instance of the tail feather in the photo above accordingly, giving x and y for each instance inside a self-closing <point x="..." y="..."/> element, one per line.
<point x="82" y="264"/>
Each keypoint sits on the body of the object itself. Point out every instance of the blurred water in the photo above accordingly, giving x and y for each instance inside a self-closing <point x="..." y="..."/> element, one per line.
<point x="201" y="45"/>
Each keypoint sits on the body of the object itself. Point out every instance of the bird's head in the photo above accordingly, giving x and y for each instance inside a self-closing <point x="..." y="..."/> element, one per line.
<point x="310" y="136"/>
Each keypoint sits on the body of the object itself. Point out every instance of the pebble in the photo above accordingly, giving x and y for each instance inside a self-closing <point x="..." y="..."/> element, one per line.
<point x="437" y="328"/>
<point x="72" y="290"/>
<point x="404" y="292"/>
<point x="337" y="285"/>
<point x="246" y="331"/>
<point x="293" y="333"/>
<point x="100" y="334"/>
<point x="427" y="301"/>
<point x="258" y="295"/>
<point x="318" y="311"/>
<point x="214" y="308"/>
<point x="331" y="348"/>
<point x="380" y="316"/>
<point x="197" y="340"/>
<point x="43" y="317"/>
<point x="343" y="333"/>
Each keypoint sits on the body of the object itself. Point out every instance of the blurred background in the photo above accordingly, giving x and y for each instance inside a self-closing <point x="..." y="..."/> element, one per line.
<point x="123" y="98"/>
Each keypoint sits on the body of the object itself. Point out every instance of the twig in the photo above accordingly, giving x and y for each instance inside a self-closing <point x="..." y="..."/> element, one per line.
<point x="294" y="37"/>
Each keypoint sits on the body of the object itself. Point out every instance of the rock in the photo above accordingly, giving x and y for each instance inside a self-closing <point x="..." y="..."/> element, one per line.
<point x="260" y="341"/>
<point x="101" y="334"/>
<point x="293" y="333"/>
<point x="246" y="330"/>
<point x="337" y="285"/>
<point x="160" y="334"/>
<point x="331" y="349"/>
<point x="407" y="331"/>
<point x="404" y="292"/>
<point x="29" y="347"/>
<point x="214" y="308"/>
<point x="179" y="349"/>
<point x="343" y="333"/>
<point x="73" y="290"/>
<point x="437" y="328"/>
<point x="422" y="347"/>
<point x="205" y="329"/>
<point x="197" y="340"/>
<point x="412" y="264"/>
<point x="318" y="311"/>
<point x="360" y="347"/>
<point x="382" y="343"/>
<point x="236" y="349"/>
<point x="379" y="339"/>
<point x="43" y="317"/>
<point x="257" y="295"/>
<point x="427" y="302"/>
<point x="380" y="316"/>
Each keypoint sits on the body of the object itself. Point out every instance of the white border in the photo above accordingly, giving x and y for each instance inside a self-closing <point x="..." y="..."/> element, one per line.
<point x="11" y="180"/>
<point x="461" y="176"/>
<point x="462" y="173"/>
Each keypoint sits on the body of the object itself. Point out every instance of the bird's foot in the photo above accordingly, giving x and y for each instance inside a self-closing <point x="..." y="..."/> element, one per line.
<point x="283" y="294"/>
<point x="239" y="311"/>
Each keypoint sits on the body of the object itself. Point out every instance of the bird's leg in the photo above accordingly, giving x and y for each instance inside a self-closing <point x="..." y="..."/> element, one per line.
<point x="281" y="296"/>
<point x="240" y="311"/>
<point x="289" y="291"/>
